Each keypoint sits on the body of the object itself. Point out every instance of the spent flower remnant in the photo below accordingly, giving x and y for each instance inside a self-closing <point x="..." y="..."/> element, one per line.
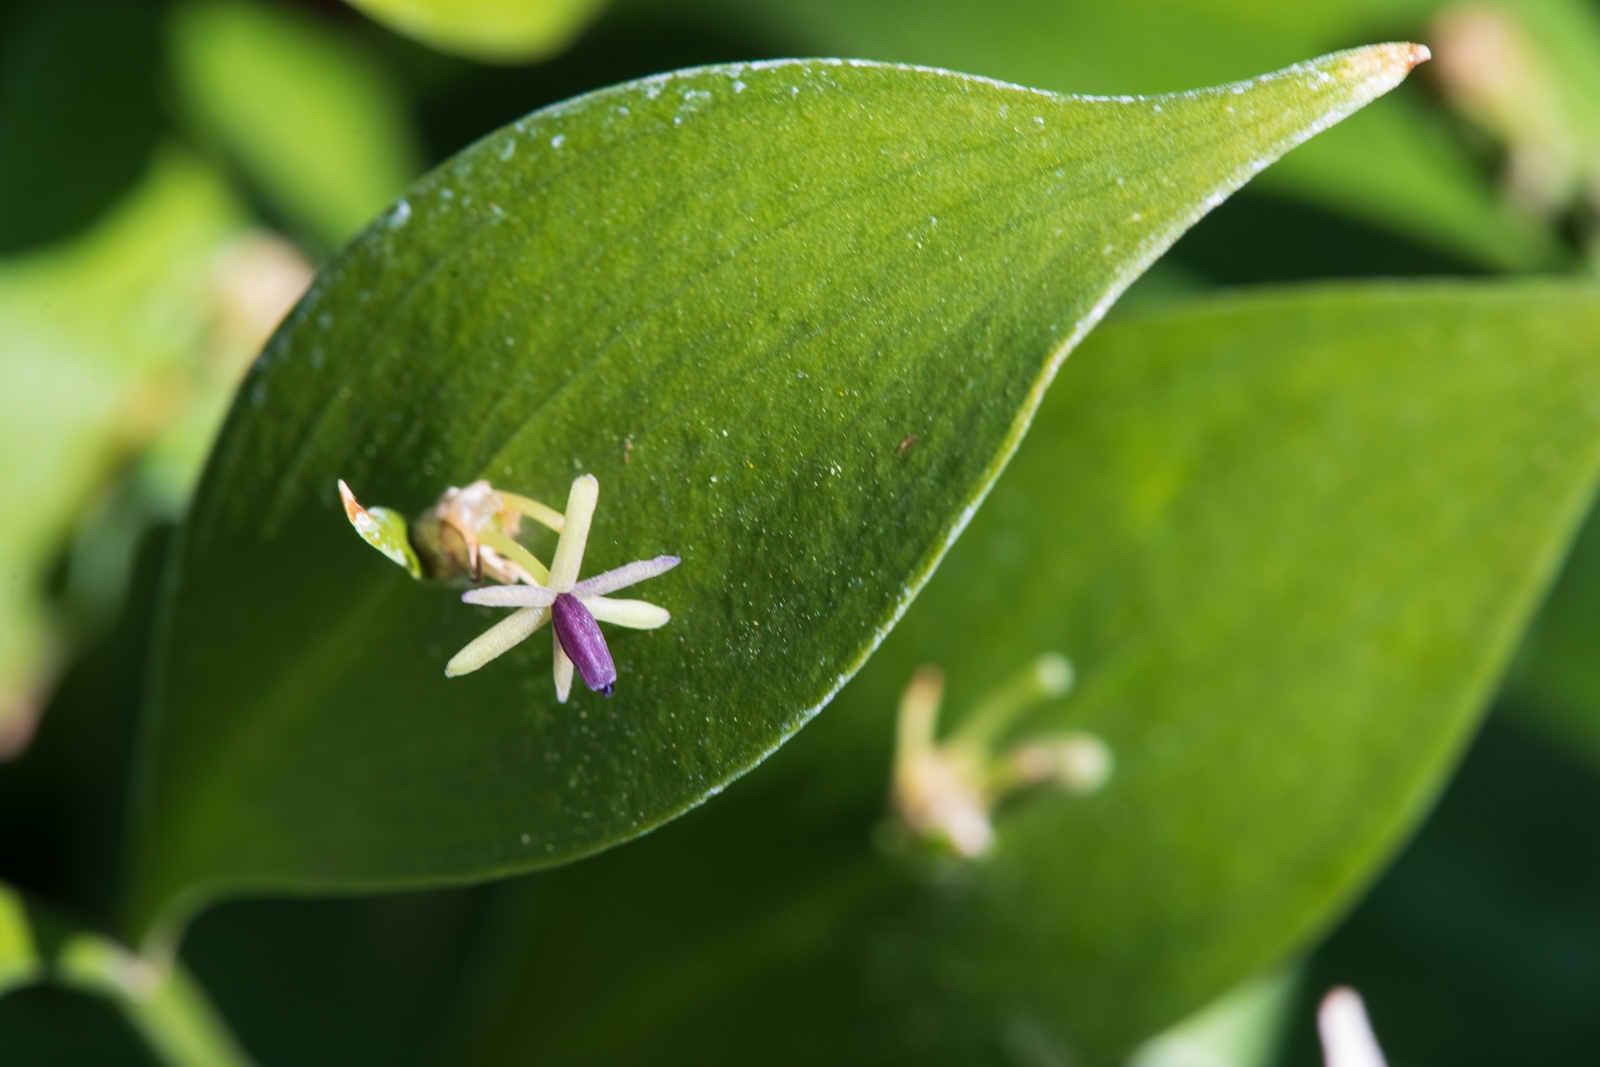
<point x="470" y="532"/>
<point x="574" y="606"/>
<point x="944" y="792"/>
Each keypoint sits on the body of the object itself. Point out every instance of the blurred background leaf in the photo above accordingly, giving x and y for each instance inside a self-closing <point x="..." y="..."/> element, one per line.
<point x="826" y="214"/>
<point x="496" y="31"/>
<point x="314" y="122"/>
<point x="103" y="338"/>
<point x="1481" y="945"/>
<point x="1203" y="516"/>
<point x="1400" y="167"/>
<point x="69" y="149"/>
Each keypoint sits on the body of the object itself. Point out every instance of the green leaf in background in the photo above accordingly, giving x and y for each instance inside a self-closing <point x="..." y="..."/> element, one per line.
<point x="1289" y="540"/>
<point x="1478" y="946"/>
<point x="1398" y="166"/>
<point x="19" y="959"/>
<point x="794" y="316"/>
<point x="311" y="118"/>
<point x="1556" y="685"/>
<point x="492" y="31"/>
<point x="80" y="113"/>
<point x="162" y="1002"/>
<point x="80" y="393"/>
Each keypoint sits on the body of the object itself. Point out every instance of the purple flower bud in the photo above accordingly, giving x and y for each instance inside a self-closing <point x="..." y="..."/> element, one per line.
<point x="583" y="643"/>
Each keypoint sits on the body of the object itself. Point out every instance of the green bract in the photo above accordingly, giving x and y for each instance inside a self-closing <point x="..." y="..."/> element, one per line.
<point x="794" y="316"/>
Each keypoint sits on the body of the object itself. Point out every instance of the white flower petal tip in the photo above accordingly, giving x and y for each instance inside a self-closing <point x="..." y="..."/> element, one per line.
<point x="1346" y="1033"/>
<point x="577" y="607"/>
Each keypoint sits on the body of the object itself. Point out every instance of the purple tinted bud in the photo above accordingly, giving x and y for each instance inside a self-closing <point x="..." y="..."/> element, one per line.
<point x="583" y="643"/>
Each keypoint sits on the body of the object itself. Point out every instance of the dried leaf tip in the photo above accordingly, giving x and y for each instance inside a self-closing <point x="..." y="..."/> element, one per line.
<point x="576" y="607"/>
<point x="944" y="793"/>
<point x="1383" y="66"/>
<point x="468" y="532"/>
<point x="383" y="529"/>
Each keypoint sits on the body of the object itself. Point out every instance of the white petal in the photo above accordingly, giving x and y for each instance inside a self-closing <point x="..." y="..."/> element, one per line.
<point x="497" y="640"/>
<point x="634" y="613"/>
<point x="574" y="533"/>
<point x="624" y="576"/>
<point x="1347" y="1039"/>
<point x="511" y="596"/>
<point x="562" y="670"/>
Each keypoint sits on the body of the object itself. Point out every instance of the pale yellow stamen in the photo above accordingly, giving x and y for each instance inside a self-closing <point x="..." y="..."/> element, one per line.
<point x="541" y="513"/>
<point x="514" y="552"/>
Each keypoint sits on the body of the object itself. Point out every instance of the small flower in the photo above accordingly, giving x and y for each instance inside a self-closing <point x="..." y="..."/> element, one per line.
<point x="575" y="606"/>
<point x="945" y="791"/>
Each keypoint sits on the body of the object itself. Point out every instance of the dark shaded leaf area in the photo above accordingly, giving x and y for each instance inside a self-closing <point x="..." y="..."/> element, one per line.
<point x="1481" y="945"/>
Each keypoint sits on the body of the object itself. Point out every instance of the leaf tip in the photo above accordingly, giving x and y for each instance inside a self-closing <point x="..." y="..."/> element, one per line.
<point x="1384" y="66"/>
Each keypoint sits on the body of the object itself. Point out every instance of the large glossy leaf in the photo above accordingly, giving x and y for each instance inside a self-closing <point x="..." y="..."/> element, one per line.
<point x="1289" y="540"/>
<point x="1398" y="166"/>
<point x="497" y="31"/>
<point x="794" y="316"/>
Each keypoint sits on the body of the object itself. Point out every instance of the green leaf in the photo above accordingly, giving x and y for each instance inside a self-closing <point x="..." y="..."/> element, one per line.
<point x="312" y="118"/>
<point x="19" y="959"/>
<point x="1556" y="685"/>
<point x="80" y="392"/>
<point x="160" y="1000"/>
<point x="494" y="31"/>
<point x="1395" y="166"/>
<point x="1289" y="541"/>
<point x="1503" y="865"/>
<point x="794" y="316"/>
<point x="80" y="113"/>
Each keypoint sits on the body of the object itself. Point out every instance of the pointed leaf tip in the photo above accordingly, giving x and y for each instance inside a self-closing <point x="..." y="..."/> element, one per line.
<point x="1384" y="66"/>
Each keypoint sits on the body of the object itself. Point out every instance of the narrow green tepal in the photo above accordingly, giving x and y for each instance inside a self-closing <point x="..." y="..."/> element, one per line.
<point x="794" y="317"/>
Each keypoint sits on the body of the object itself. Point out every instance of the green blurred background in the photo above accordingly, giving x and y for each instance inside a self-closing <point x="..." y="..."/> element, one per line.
<point x="172" y="173"/>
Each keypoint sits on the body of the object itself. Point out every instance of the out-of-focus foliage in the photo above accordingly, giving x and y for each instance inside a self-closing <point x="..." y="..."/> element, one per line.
<point x="160" y="1000"/>
<point x="1400" y="167"/>
<point x="69" y="151"/>
<point x="1557" y="683"/>
<point x="105" y="340"/>
<point x="1481" y="946"/>
<point x="313" y="121"/>
<point x="496" y="31"/>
